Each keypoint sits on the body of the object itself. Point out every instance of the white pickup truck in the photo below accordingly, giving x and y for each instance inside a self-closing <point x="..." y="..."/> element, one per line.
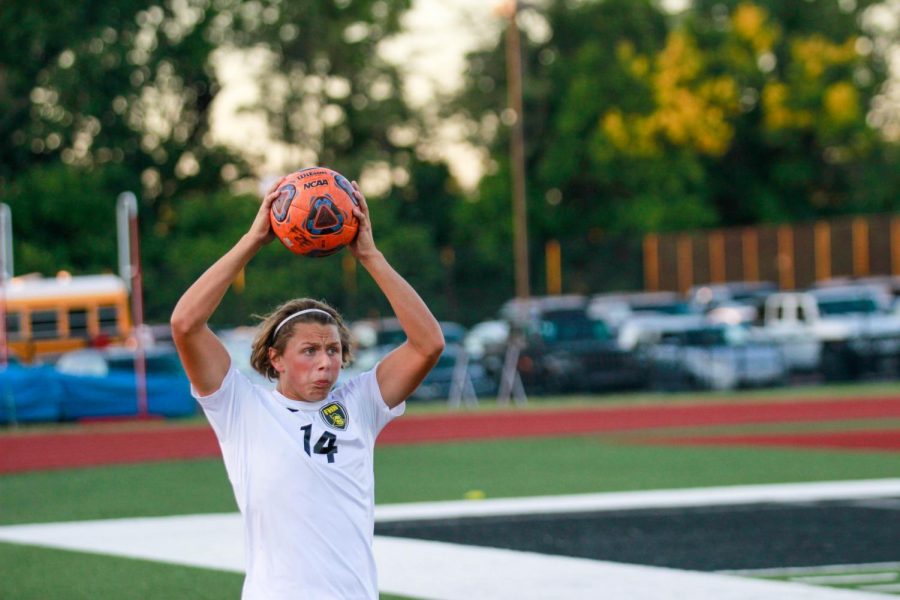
<point x="840" y="331"/>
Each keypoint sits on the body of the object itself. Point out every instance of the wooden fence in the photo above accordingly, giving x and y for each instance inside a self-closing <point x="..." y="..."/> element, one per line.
<point x="793" y="256"/>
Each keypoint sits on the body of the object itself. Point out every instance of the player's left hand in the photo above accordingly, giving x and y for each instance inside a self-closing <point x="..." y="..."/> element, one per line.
<point x="261" y="229"/>
<point x="364" y="244"/>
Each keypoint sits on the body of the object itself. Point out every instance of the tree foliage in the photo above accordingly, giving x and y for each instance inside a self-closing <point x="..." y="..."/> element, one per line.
<point x="735" y="112"/>
<point x="804" y="147"/>
<point x="127" y="83"/>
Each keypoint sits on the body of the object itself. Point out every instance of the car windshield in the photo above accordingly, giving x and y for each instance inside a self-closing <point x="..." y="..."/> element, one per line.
<point x="391" y="337"/>
<point x="846" y="306"/>
<point x="716" y="336"/>
<point x="573" y="326"/>
<point x="666" y="308"/>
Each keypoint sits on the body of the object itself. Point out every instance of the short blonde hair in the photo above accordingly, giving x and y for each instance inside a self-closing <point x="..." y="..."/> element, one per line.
<point x="267" y="337"/>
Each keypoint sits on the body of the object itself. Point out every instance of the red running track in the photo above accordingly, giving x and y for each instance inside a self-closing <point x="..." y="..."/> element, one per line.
<point x="426" y="428"/>
<point x="92" y="446"/>
<point x="884" y="440"/>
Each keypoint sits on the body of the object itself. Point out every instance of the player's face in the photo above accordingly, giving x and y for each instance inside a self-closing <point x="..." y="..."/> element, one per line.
<point x="311" y="362"/>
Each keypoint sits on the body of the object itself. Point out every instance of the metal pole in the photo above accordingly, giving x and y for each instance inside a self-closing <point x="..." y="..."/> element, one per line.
<point x="128" y="215"/>
<point x="126" y="206"/>
<point x="6" y="273"/>
<point x="517" y="153"/>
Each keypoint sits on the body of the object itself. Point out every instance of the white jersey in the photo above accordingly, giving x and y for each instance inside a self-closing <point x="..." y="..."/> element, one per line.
<point x="303" y="478"/>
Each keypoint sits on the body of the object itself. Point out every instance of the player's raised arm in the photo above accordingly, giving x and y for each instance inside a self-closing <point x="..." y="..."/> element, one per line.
<point x="205" y="359"/>
<point x="401" y="371"/>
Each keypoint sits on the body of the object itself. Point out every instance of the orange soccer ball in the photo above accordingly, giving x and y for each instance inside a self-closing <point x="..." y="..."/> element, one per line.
<point x="313" y="213"/>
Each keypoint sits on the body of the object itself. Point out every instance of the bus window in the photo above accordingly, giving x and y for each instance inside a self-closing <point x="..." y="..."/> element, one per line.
<point x="13" y="326"/>
<point x="108" y="317"/>
<point x="44" y="324"/>
<point x="78" y="323"/>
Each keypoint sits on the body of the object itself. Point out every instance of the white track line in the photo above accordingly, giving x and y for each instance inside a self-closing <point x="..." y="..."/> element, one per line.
<point x="441" y="571"/>
<point x="715" y="496"/>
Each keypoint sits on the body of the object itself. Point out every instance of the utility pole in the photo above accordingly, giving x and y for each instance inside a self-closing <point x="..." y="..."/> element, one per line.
<point x="510" y="10"/>
<point x="510" y="381"/>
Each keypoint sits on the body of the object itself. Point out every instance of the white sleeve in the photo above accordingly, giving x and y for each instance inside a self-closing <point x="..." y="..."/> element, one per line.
<point x="224" y="407"/>
<point x="364" y="393"/>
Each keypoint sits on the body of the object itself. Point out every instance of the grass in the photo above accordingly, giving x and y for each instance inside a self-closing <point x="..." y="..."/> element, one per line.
<point x="24" y="571"/>
<point x="78" y="576"/>
<point x="425" y="472"/>
<point x="586" y="464"/>
<point x="153" y="489"/>
<point x="881" y="578"/>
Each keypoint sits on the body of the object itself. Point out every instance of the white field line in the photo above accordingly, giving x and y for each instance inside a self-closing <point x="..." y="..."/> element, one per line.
<point x="714" y="496"/>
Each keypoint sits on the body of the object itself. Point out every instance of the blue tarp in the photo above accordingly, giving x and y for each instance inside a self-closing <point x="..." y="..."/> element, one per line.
<point x="43" y="394"/>
<point x="30" y="394"/>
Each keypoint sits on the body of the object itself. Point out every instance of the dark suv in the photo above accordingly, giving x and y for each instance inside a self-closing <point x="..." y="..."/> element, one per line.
<point x="564" y="350"/>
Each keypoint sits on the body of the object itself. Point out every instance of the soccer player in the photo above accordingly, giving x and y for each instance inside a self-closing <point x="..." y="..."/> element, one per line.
<point x="300" y="457"/>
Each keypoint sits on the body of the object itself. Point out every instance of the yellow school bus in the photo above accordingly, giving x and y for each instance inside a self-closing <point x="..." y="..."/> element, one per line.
<point x="46" y="316"/>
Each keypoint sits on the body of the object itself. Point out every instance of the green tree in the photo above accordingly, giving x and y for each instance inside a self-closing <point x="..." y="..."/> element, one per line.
<point x="124" y="83"/>
<point x="64" y="219"/>
<point x="804" y="146"/>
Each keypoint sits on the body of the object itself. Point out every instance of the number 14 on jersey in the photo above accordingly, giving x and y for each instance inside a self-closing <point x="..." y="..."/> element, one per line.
<point x="326" y="445"/>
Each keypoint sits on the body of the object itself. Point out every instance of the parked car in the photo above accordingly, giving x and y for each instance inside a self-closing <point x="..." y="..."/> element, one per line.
<point x="438" y="384"/>
<point x="708" y="296"/>
<point x="486" y="343"/>
<point x="841" y="331"/>
<point x="564" y="350"/>
<point x="487" y="337"/>
<point x="387" y="332"/>
<point x="376" y="338"/>
<point x="714" y="356"/>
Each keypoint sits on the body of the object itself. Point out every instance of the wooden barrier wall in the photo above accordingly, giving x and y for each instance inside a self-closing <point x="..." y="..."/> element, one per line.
<point x="793" y="256"/>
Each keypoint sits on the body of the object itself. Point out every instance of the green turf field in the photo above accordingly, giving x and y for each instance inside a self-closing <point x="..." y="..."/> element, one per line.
<point x="424" y="472"/>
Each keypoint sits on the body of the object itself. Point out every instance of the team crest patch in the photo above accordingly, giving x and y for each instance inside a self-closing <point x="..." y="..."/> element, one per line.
<point x="335" y="416"/>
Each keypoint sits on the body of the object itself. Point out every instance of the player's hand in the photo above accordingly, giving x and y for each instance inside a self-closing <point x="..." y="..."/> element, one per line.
<point x="261" y="229"/>
<point x="364" y="244"/>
